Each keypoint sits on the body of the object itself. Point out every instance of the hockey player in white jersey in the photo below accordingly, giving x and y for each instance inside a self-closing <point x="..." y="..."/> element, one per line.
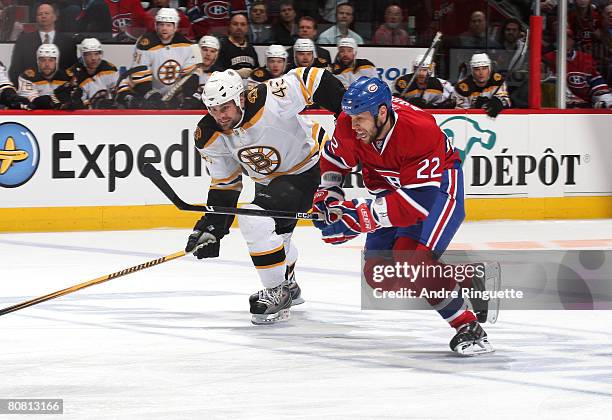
<point x="276" y="63"/>
<point x="426" y="90"/>
<point x="8" y="93"/>
<point x="160" y="57"/>
<point x="260" y="133"/>
<point x="96" y="76"/>
<point x="347" y="67"/>
<point x="209" y="45"/>
<point x="39" y="85"/>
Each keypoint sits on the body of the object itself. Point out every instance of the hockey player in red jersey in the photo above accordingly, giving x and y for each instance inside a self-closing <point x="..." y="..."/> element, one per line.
<point x="414" y="172"/>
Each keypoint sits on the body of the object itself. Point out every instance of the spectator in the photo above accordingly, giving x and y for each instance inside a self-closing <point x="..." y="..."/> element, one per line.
<point x="307" y="29"/>
<point x="476" y="36"/>
<point x="587" y="88"/>
<point x="260" y="32"/>
<point x="426" y="90"/>
<point x="344" y="18"/>
<point x="10" y="27"/>
<point x="184" y="22"/>
<point x="90" y="16"/>
<point x="347" y="67"/>
<point x="606" y="41"/>
<point x="96" y="77"/>
<point x="24" y="50"/>
<point x="304" y="54"/>
<point x="285" y="31"/>
<point x="128" y="17"/>
<point x="276" y="64"/>
<point x="327" y="9"/>
<point x="511" y="46"/>
<point x="482" y="88"/>
<point x="212" y="17"/>
<point x="236" y="52"/>
<point x="38" y="84"/>
<point x="585" y="22"/>
<point x="390" y="33"/>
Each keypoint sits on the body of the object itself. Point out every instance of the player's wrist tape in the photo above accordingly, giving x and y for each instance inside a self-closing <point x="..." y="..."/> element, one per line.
<point x="379" y="208"/>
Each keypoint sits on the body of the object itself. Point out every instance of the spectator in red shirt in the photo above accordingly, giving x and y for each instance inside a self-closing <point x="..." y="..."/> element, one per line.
<point x="127" y="15"/>
<point x="213" y="17"/>
<point x="585" y="21"/>
<point x="390" y="33"/>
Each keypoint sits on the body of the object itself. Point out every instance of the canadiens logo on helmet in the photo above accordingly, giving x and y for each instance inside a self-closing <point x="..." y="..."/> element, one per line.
<point x="372" y="87"/>
<point x="217" y="10"/>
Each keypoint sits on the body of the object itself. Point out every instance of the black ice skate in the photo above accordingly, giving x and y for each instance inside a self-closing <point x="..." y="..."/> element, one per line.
<point x="471" y="340"/>
<point x="490" y="281"/>
<point x="272" y="305"/>
<point x="294" y="288"/>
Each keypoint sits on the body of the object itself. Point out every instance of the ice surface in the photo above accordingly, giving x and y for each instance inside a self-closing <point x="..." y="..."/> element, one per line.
<point x="176" y="342"/>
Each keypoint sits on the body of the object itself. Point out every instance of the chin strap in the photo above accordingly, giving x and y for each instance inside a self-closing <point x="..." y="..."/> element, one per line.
<point x="379" y="128"/>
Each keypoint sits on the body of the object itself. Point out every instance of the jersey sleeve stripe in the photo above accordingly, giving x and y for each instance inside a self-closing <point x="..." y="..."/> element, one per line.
<point x="232" y="178"/>
<point x="311" y="154"/>
<point x="300" y="71"/>
<point x="412" y="202"/>
<point x="424" y="184"/>
<point x="311" y="82"/>
<point x="335" y="160"/>
<point x="211" y="140"/>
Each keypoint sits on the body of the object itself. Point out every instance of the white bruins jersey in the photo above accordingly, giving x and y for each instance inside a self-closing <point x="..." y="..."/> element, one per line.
<point x="165" y="62"/>
<point x="97" y="85"/>
<point x="271" y="140"/>
<point x="32" y="84"/>
<point x="5" y="83"/>
<point x="435" y="92"/>
<point x="348" y="74"/>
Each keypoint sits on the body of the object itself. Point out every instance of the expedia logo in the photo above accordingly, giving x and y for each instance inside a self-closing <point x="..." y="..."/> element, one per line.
<point x="465" y="133"/>
<point x="217" y="10"/>
<point x="19" y="155"/>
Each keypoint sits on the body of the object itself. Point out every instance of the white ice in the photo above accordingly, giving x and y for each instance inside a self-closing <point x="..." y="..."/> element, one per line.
<point x="176" y="342"/>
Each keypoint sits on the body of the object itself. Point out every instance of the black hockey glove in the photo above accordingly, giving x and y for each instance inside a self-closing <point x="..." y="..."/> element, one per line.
<point x="418" y="102"/>
<point x="18" y="102"/>
<point x="153" y="100"/>
<point x="45" y="102"/>
<point x="103" y="103"/>
<point x="494" y="107"/>
<point x="205" y="239"/>
<point x="63" y="93"/>
<point x="480" y="102"/>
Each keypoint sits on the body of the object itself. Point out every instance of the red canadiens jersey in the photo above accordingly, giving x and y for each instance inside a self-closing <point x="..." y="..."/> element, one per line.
<point x="583" y="79"/>
<point x="405" y="167"/>
<point x="209" y="17"/>
<point x="128" y="13"/>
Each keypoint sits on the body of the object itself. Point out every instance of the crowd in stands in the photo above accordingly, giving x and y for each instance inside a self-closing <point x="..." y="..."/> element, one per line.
<point x="57" y="61"/>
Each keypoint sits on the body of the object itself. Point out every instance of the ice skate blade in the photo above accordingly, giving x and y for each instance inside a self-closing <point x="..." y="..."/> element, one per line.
<point x="493" y="282"/>
<point x="474" y="349"/>
<point x="297" y="301"/>
<point x="268" y="319"/>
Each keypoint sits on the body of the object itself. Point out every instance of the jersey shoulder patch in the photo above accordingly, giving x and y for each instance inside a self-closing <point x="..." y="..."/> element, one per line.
<point x="362" y="62"/>
<point x="320" y="62"/>
<point x="255" y="102"/>
<point x="260" y="74"/>
<point x="401" y="82"/>
<point x="463" y="87"/>
<point x="206" y="132"/>
<point x="29" y="74"/>
<point x="148" y="41"/>
<point x="106" y="66"/>
<point x="496" y="80"/>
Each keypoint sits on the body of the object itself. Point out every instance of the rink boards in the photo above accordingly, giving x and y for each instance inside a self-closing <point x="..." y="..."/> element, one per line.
<point x="79" y="171"/>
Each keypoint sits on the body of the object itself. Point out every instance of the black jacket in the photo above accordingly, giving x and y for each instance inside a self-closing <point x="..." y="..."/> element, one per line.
<point x="24" y="52"/>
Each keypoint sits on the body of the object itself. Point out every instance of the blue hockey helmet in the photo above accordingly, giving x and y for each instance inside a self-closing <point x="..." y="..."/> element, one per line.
<point x="366" y="94"/>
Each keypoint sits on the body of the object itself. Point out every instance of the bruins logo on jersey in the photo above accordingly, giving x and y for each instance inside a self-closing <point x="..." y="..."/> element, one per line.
<point x="144" y="42"/>
<point x="497" y="77"/>
<point x="463" y="87"/>
<point x="198" y="134"/>
<point x="168" y="72"/>
<point x="258" y="73"/>
<point x="261" y="159"/>
<point x="402" y="84"/>
<point x="30" y="73"/>
<point x="252" y="96"/>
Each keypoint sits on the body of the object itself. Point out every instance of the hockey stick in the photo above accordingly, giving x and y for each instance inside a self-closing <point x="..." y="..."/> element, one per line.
<point x="433" y="45"/>
<point x="197" y="53"/>
<point x="95" y="281"/>
<point x="156" y="177"/>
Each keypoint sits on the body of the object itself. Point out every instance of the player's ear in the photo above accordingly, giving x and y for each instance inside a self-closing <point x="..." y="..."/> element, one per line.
<point x="242" y="100"/>
<point x="382" y="113"/>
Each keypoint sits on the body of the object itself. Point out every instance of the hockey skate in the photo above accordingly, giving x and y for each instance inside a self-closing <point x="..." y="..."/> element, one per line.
<point x="471" y="340"/>
<point x="487" y="310"/>
<point x="271" y="305"/>
<point x="294" y="288"/>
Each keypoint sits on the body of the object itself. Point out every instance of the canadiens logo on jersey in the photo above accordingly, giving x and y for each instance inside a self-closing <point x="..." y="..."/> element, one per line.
<point x="261" y="159"/>
<point x="577" y="80"/>
<point x="216" y="10"/>
<point x="392" y="177"/>
<point x="122" y="20"/>
<point x="168" y="72"/>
